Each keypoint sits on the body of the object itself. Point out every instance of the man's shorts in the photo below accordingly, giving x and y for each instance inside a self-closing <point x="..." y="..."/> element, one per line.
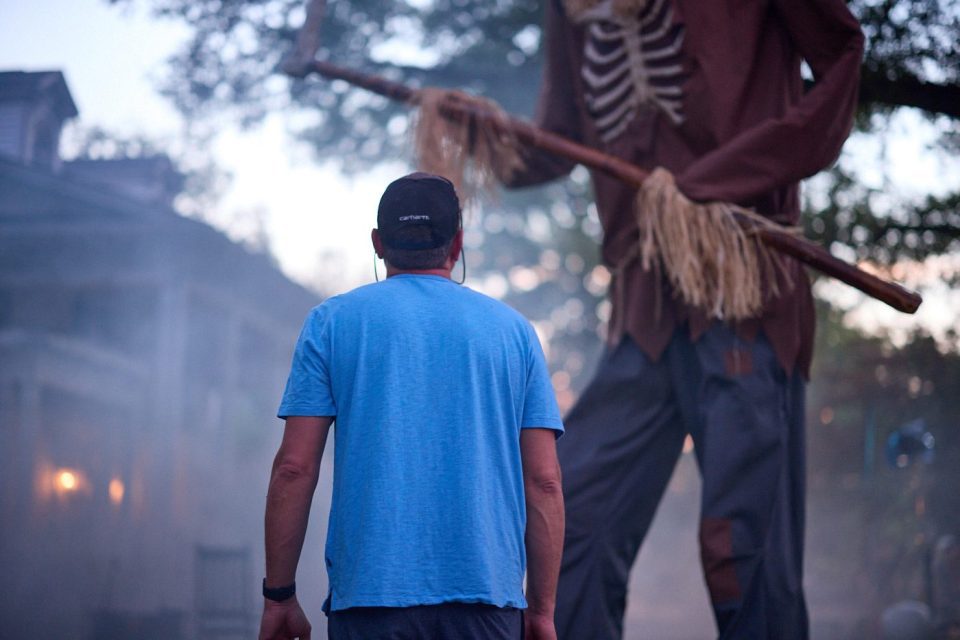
<point x="447" y="621"/>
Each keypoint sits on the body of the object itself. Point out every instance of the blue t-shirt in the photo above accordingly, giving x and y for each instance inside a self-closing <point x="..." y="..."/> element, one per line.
<point x="430" y="383"/>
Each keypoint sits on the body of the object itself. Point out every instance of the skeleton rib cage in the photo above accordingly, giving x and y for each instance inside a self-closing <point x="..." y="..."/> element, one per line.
<point x="630" y="61"/>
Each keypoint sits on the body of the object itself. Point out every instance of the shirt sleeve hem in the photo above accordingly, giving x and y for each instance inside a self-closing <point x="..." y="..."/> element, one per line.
<point x="554" y="424"/>
<point x="286" y="411"/>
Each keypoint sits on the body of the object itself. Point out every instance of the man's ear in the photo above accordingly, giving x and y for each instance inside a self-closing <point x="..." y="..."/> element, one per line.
<point x="377" y="243"/>
<point x="456" y="246"/>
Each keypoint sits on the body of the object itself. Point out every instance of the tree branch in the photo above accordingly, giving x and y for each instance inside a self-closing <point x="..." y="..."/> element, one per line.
<point x="878" y="89"/>
<point x="942" y="230"/>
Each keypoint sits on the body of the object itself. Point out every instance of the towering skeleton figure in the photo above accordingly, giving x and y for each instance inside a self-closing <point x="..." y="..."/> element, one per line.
<point x="712" y="92"/>
<point x="630" y="61"/>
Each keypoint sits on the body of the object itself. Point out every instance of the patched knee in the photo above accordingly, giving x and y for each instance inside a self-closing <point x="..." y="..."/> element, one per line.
<point x="716" y="554"/>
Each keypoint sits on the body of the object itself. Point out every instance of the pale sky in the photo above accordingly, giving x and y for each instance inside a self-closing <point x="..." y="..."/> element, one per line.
<point x="318" y="220"/>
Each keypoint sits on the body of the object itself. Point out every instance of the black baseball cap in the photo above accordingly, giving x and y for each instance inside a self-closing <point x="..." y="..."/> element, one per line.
<point x="419" y="200"/>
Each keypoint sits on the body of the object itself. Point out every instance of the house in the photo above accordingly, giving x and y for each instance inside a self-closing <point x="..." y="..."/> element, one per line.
<point x="142" y="356"/>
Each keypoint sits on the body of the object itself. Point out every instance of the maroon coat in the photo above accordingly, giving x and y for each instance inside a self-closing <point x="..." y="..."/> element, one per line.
<point x="711" y="91"/>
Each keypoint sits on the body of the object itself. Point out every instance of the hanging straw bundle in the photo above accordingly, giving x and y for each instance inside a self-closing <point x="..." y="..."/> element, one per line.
<point x="711" y="261"/>
<point x="476" y="154"/>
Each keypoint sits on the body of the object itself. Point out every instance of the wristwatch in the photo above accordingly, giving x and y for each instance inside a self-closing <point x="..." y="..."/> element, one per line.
<point x="279" y="594"/>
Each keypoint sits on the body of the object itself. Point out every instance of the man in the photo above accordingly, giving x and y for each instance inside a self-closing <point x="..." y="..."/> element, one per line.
<point x="712" y="92"/>
<point x="446" y="483"/>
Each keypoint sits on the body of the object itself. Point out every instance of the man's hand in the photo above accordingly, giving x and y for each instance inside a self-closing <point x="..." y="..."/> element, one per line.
<point x="538" y="627"/>
<point x="286" y="621"/>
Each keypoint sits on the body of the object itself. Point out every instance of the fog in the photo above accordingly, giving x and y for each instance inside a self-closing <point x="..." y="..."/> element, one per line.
<point x="142" y="357"/>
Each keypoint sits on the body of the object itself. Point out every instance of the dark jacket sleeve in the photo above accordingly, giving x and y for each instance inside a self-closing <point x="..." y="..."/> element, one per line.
<point x="557" y="109"/>
<point x="810" y="133"/>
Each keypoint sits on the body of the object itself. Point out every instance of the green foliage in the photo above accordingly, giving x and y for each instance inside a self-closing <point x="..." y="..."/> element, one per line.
<point x="229" y="66"/>
<point x="911" y="39"/>
<point x="880" y="228"/>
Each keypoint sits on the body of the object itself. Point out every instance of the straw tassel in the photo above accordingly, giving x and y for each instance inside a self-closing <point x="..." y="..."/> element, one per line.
<point x="710" y="260"/>
<point x="476" y="154"/>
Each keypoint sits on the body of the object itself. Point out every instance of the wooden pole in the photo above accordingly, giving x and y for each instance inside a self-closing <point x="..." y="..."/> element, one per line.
<point x="803" y="250"/>
<point x="297" y="62"/>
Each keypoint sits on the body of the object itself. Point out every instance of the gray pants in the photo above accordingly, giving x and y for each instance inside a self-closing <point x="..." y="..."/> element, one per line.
<point x="447" y="621"/>
<point x="622" y="442"/>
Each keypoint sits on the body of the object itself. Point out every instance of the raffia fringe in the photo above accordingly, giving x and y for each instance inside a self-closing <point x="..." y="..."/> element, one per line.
<point x="710" y="260"/>
<point x="473" y="153"/>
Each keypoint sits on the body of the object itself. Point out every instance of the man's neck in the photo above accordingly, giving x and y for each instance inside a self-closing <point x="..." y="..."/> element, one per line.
<point x="443" y="273"/>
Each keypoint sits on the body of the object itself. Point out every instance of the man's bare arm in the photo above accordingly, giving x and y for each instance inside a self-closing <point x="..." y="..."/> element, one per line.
<point x="544" y="535"/>
<point x="293" y="480"/>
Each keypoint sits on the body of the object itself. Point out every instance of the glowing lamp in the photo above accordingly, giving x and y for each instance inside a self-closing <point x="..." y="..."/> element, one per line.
<point x="66" y="481"/>
<point x="116" y="491"/>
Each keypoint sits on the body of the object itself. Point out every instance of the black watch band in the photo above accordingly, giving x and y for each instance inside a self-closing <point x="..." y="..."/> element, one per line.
<point x="280" y="593"/>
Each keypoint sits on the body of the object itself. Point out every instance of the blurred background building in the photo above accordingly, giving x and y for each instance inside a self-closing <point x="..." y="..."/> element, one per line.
<point x="141" y="359"/>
